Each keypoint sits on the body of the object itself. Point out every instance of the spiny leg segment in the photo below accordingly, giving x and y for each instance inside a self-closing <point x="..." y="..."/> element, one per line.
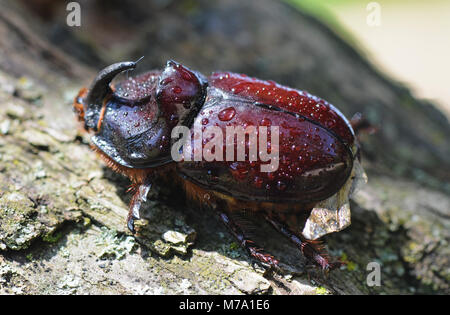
<point x="312" y="250"/>
<point x="139" y="197"/>
<point x="250" y="246"/>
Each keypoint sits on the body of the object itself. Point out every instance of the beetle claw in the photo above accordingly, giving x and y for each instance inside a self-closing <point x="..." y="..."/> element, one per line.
<point x="312" y="250"/>
<point x="139" y="197"/>
<point x="255" y="251"/>
<point x="130" y="224"/>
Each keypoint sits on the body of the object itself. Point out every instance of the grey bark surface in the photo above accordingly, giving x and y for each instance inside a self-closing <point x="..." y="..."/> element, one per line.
<point x="62" y="212"/>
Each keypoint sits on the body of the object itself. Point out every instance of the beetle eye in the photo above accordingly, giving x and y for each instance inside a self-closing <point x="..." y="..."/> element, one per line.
<point x="179" y="85"/>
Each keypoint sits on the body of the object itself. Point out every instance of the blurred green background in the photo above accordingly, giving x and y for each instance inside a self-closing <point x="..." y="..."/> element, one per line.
<point x="412" y="43"/>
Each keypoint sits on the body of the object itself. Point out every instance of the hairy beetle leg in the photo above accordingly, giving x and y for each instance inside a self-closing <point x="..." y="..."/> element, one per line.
<point x="312" y="250"/>
<point x="250" y="246"/>
<point x="139" y="197"/>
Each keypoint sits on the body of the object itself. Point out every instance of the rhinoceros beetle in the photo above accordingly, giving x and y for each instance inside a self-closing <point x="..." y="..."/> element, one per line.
<point x="132" y="127"/>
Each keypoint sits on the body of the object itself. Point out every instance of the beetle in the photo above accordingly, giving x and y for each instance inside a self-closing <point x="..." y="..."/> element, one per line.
<point x="132" y="127"/>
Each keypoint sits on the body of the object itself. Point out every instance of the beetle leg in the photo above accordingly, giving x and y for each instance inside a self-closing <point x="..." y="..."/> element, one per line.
<point x="312" y="250"/>
<point x="250" y="246"/>
<point x="361" y="124"/>
<point x="139" y="197"/>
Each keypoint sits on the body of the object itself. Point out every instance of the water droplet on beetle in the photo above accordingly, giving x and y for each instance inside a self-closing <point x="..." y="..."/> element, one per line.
<point x="227" y="114"/>
<point x="281" y="186"/>
<point x="177" y="90"/>
<point x="166" y="81"/>
<point x="258" y="182"/>
<point x="271" y="176"/>
<point x="265" y="122"/>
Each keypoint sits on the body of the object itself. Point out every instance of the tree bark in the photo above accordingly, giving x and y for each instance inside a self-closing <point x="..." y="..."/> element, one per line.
<point x="62" y="213"/>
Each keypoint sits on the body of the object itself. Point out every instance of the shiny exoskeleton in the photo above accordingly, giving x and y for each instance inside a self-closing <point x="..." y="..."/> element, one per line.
<point x="132" y="123"/>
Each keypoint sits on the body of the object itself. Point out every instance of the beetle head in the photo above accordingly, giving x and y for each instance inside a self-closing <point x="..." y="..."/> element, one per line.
<point x="133" y="121"/>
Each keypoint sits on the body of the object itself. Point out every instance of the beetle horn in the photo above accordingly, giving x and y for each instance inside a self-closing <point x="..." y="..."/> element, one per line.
<point x="100" y="89"/>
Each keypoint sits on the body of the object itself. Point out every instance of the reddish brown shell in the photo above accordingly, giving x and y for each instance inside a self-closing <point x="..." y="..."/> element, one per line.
<point x="295" y="101"/>
<point x="315" y="140"/>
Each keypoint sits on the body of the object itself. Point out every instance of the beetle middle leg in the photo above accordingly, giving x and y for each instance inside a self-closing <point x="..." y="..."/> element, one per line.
<point x="139" y="197"/>
<point x="250" y="246"/>
<point x="310" y="249"/>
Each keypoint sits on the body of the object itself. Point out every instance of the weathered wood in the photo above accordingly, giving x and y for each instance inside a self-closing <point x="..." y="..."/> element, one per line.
<point x="62" y="214"/>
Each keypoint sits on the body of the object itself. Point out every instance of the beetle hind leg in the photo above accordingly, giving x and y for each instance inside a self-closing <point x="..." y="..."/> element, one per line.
<point x="139" y="197"/>
<point x="312" y="250"/>
<point x="250" y="246"/>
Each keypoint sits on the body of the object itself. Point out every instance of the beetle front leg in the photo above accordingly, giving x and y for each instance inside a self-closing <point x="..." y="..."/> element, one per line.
<point x="310" y="249"/>
<point x="139" y="197"/>
<point x="250" y="246"/>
